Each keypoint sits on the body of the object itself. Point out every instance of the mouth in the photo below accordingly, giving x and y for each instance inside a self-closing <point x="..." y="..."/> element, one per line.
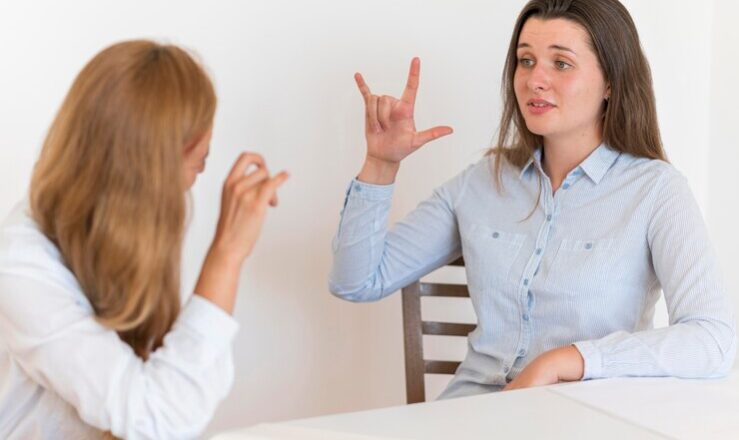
<point x="539" y="106"/>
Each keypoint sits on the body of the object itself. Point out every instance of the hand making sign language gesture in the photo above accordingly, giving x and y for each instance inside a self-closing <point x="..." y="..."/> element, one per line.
<point x="390" y="129"/>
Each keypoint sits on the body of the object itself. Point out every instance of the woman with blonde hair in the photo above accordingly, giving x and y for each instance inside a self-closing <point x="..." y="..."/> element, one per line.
<point x="94" y="335"/>
<point x="570" y="228"/>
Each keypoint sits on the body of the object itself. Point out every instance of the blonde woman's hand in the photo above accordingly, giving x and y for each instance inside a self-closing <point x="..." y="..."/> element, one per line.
<point x="390" y="128"/>
<point x="247" y="193"/>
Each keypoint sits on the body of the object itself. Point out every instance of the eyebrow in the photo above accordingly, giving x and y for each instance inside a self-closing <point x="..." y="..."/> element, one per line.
<point x="553" y="46"/>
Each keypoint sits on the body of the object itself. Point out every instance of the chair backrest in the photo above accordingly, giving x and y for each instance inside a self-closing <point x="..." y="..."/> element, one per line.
<point x="414" y="327"/>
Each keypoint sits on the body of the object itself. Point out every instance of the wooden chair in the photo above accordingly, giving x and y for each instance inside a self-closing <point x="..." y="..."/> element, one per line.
<point x="416" y="367"/>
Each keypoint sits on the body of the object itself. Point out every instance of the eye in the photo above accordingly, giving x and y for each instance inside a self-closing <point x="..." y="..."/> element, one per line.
<point x="561" y="65"/>
<point x="526" y="62"/>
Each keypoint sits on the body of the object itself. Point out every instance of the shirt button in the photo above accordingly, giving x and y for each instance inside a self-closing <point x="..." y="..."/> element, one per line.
<point x="526" y="282"/>
<point x="506" y="369"/>
<point x="565" y="186"/>
<point x="538" y="251"/>
<point x="521" y="352"/>
<point x="358" y="188"/>
<point x="525" y="317"/>
<point x="496" y="235"/>
<point x="589" y="246"/>
<point x="549" y="217"/>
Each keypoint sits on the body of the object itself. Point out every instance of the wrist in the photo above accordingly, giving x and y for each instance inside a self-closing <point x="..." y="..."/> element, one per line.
<point x="219" y="278"/>
<point x="569" y="363"/>
<point x="224" y="256"/>
<point x="378" y="171"/>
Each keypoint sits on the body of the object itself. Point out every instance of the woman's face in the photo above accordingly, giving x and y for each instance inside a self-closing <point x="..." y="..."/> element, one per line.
<point x="558" y="81"/>
<point x="194" y="160"/>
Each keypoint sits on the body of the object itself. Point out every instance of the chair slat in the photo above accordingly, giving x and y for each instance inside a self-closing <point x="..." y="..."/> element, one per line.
<point x="446" y="328"/>
<point x="414" y="328"/>
<point x="441" y="367"/>
<point x="413" y="344"/>
<point x="448" y="290"/>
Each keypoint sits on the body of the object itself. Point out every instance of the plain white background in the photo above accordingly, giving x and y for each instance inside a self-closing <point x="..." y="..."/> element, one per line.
<point x="283" y="72"/>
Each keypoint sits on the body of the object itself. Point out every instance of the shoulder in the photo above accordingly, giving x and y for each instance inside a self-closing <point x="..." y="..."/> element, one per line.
<point x="30" y="259"/>
<point x="472" y="174"/>
<point x="654" y="172"/>
<point x="484" y="168"/>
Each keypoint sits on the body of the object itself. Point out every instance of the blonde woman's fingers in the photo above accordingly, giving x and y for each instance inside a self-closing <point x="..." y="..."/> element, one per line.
<point x="242" y="163"/>
<point x="269" y="188"/>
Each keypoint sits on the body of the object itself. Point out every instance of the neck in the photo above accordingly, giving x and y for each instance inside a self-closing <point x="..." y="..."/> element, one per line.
<point x="563" y="154"/>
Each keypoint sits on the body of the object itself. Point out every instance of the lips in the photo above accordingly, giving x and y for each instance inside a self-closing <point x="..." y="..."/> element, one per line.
<point x="539" y="106"/>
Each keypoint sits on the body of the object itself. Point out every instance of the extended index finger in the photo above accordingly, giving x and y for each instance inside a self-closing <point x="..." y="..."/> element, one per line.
<point x="363" y="87"/>
<point x="409" y="94"/>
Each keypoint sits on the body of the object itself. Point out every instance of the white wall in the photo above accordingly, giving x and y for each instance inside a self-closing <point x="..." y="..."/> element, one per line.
<point x="724" y="146"/>
<point x="283" y="71"/>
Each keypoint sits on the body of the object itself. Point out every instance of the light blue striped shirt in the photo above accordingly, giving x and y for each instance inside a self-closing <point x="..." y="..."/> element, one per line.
<point x="585" y="268"/>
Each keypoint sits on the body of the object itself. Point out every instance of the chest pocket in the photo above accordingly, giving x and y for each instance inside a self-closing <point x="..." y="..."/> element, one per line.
<point x="581" y="267"/>
<point x="489" y="254"/>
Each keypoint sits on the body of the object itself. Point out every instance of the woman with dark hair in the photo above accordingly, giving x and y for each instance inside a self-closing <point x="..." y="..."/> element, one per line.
<point x="569" y="227"/>
<point x="94" y="336"/>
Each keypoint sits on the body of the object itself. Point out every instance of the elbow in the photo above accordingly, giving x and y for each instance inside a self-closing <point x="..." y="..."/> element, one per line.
<point x="354" y="288"/>
<point x="178" y="406"/>
<point x="357" y="294"/>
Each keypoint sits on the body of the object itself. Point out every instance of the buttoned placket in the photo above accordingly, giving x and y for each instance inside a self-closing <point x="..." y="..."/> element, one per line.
<point x="551" y="205"/>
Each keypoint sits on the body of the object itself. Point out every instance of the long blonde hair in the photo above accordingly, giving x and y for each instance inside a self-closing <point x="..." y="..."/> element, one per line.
<point x="108" y="188"/>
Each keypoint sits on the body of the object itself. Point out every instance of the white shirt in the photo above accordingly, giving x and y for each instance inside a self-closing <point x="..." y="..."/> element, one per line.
<point x="63" y="375"/>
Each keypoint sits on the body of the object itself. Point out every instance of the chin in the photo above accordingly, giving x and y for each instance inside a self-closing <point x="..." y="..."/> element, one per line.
<point x="539" y="129"/>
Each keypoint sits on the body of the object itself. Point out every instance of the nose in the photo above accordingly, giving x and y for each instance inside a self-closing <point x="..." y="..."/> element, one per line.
<point x="538" y="80"/>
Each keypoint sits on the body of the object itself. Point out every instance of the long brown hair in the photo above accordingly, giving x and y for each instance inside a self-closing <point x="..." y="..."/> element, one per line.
<point x="629" y="116"/>
<point x="108" y="188"/>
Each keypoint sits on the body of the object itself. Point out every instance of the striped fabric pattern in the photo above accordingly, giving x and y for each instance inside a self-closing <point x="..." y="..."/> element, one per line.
<point x="582" y="266"/>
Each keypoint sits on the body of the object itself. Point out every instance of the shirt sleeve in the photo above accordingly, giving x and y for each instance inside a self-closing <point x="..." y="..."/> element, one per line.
<point x="371" y="262"/>
<point x="57" y="342"/>
<point x="700" y="340"/>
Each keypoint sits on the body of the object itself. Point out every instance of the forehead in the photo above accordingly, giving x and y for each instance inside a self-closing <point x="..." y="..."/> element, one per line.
<point x="538" y="33"/>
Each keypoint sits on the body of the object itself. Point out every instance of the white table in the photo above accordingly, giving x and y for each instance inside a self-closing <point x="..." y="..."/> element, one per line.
<point x="622" y="408"/>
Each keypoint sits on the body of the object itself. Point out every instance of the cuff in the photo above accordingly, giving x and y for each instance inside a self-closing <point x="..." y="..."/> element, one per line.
<point x="593" y="360"/>
<point x="368" y="191"/>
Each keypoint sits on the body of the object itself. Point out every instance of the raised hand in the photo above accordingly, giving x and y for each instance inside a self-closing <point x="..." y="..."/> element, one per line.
<point x="244" y="204"/>
<point x="390" y="128"/>
<point x="244" y="200"/>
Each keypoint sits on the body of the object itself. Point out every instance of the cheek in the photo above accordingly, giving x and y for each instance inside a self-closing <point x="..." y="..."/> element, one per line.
<point x="520" y="88"/>
<point x="584" y="90"/>
<point x="580" y="96"/>
<point x="519" y="82"/>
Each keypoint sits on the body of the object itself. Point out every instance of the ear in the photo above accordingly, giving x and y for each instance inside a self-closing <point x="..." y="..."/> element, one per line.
<point x="608" y="92"/>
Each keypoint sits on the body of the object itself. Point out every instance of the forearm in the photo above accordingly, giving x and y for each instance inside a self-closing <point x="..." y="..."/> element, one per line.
<point x="693" y="349"/>
<point x="219" y="278"/>
<point x="359" y="244"/>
